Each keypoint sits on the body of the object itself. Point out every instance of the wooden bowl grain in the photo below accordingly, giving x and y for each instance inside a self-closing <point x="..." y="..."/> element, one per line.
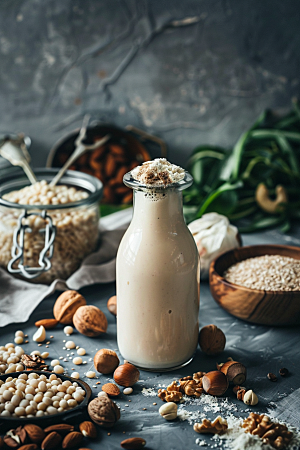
<point x="256" y="306"/>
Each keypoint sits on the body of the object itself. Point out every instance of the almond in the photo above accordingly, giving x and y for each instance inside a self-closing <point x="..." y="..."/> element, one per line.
<point x="47" y="323"/>
<point x="1" y="442"/>
<point x="29" y="447"/>
<point x="109" y="165"/>
<point x="10" y="442"/>
<point x="111" y="389"/>
<point x="51" y="441"/>
<point x="72" y="440"/>
<point x="61" y="428"/>
<point x="133" y="443"/>
<point x="35" y="433"/>
<point x="88" y="429"/>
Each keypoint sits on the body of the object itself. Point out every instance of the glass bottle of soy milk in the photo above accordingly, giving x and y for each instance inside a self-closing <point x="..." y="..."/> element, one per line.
<point x="158" y="272"/>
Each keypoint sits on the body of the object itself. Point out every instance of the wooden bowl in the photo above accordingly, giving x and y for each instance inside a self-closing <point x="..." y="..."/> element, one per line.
<point x="253" y="305"/>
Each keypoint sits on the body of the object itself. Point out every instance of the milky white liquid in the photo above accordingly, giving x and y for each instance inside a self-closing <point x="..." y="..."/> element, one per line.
<point x="157" y="284"/>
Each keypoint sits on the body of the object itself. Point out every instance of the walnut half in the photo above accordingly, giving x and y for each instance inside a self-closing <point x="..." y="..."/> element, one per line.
<point x="218" y="426"/>
<point x="275" y="434"/>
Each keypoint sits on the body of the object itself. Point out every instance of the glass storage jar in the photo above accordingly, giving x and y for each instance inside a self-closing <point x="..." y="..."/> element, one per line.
<point x="44" y="242"/>
<point x="158" y="276"/>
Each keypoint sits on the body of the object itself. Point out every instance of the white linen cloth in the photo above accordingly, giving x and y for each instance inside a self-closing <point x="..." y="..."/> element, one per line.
<point x="19" y="298"/>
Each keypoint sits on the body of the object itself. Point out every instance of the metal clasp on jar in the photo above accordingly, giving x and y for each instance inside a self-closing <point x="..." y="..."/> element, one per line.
<point x="17" y="251"/>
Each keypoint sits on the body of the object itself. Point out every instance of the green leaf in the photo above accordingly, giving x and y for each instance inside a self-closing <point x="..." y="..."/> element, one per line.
<point x="215" y="194"/>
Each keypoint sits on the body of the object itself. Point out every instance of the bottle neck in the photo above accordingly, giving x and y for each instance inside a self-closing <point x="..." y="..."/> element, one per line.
<point x="162" y="206"/>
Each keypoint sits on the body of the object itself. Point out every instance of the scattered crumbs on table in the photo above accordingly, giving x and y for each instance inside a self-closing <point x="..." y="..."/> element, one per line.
<point x="144" y="409"/>
<point x="51" y="337"/>
<point x="108" y="434"/>
<point x="149" y="392"/>
<point x="126" y="406"/>
<point x="39" y="345"/>
<point x="129" y="400"/>
<point x="61" y="357"/>
<point x="64" y="348"/>
<point x="47" y="346"/>
<point x="64" y="340"/>
<point x="154" y="403"/>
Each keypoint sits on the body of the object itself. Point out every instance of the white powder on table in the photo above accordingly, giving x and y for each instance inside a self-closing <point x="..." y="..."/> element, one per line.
<point x="158" y="172"/>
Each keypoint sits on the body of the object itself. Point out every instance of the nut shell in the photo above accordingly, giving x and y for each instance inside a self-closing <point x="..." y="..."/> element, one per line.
<point x="103" y="411"/>
<point x="106" y="361"/>
<point x="90" y="321"/>
<point x="235" y="372"/>
<point x="212" y="340"/>
<point x="215" y="383"/>
<point x="112" y="305"/>
<point x="111" y="389"/>
<point x="66" y="305"/>
<point x="126" y="375"/>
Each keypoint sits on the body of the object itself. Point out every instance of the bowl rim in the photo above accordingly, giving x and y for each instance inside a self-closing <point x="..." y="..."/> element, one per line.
<point x="71" y="177"/>
<point x="213" y="270"/>
<point x="63" y="414"/>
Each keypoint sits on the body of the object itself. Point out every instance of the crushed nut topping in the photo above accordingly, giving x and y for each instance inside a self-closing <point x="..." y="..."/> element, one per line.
<point x="218" y="426"/>
<point x="274" y="434"/>
<point x="33" y="362"/>
<point x="172" y="394"/>
<point x="240" y="394"/>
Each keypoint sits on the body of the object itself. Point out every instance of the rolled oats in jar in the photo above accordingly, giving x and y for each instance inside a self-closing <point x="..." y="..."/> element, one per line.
<point x="64" y="216"/>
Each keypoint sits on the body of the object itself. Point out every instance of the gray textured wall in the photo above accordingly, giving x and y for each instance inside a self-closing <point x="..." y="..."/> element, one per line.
<point x="192" y="71"/>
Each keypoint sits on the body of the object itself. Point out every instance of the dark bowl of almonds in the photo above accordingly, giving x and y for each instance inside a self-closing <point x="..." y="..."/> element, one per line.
<point x="108" y="162"/>
<point x="259" y="283"/>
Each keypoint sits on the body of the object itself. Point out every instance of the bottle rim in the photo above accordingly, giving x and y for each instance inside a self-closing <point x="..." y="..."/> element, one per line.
<point x="131" y="182"/>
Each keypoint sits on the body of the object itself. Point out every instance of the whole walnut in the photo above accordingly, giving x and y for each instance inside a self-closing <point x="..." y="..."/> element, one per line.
<point x="90" y="321"/>
<point x="103" y="411"/>
<point x="66" y="305"/>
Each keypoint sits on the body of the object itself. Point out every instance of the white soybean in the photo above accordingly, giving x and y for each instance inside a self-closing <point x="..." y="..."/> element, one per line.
<point x="68" y="330"/>
<point x="59" y="369"/>
<point x="81" y="351"/>
<point x="90" y="374"/>
<point x="70" y="344"/>
<point x="77" y="360"/>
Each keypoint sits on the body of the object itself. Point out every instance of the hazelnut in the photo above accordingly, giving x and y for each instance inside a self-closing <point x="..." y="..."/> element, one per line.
<point x="66" y="305"/>
<point x="103" y="411"/>
<point x="250" y="398"/>
<point x="106" y="361"/>
<point x="212" y="340"/>
<point x="168" y="410"/>
<point x="90" y="321"/>
<point x="215" y="383"/>
<point x="126" y="375"/>
<point x="234" y="371"/>
<point x="112" y="305"/>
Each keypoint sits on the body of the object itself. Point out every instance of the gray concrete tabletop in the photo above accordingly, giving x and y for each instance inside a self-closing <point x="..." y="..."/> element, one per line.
<point x="261" y="349"/>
